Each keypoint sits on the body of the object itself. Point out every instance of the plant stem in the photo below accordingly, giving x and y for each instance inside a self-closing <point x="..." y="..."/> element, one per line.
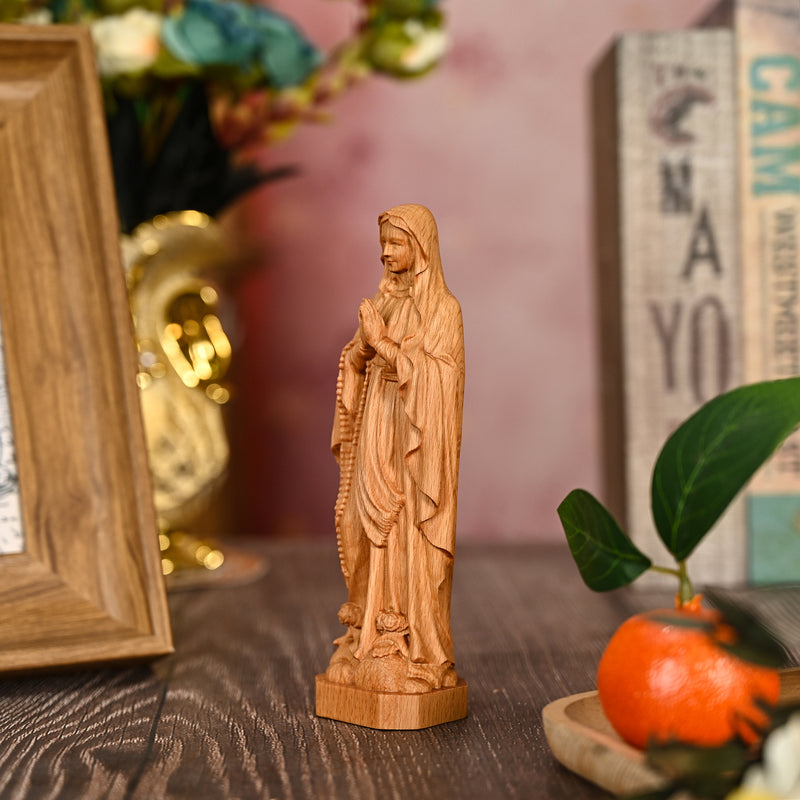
<point x="685" y="588"/>
<point x="666" y="570"/>
<point x="686" y="591"/>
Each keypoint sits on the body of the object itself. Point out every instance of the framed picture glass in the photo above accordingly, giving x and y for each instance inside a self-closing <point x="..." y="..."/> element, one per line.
<point x="11" y="536"/>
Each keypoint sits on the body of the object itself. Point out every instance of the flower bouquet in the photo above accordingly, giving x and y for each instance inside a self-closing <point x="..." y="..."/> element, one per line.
<point x="191" y="85"/>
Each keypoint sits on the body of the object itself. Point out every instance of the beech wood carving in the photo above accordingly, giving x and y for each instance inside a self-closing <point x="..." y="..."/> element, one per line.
<point x="396" y="438"/>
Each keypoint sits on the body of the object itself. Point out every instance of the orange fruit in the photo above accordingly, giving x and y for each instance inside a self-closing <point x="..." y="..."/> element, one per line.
<point x="665" y="677"/>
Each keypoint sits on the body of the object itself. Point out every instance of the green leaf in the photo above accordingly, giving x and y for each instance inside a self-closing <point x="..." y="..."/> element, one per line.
<point x="711" y="456"/>
<point x="754" y="643"/>
<point x="708" y="772"/>
<point x="606" y="557"/>
<point x="676" y="620"/>
<point x="167" y="65"/>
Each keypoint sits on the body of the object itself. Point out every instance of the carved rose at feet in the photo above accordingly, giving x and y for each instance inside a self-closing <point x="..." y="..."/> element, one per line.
<point x="351" y="615"/>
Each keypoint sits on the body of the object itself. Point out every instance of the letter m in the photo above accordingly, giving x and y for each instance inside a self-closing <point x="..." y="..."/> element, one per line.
<point x="771" y="166"/>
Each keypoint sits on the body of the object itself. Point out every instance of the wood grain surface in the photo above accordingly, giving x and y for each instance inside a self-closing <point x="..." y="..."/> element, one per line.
<point x="668" y="313"/>
<point x="88" y="587"/>
<point x="583" y="740"/>
<point x="390" y="711"/>
<point x="231" y="713"/>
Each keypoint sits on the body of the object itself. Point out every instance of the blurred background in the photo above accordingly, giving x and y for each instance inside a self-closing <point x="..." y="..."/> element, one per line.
<point x="495" y="143"/>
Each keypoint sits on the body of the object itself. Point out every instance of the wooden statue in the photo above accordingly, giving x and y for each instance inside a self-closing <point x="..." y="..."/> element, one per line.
<point x="397" y="437"/>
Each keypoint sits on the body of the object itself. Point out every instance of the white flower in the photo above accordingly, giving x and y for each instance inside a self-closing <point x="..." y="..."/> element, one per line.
<point x="41" y="17"/>
<point x="778" y="776"/>
<point x="128" y="42"/>
<point x="427" y="47"/>
<point x="751" y="794"/>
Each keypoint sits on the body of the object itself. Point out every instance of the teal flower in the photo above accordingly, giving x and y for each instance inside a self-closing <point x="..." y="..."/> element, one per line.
<point x="212" y="33"/>
<point x="285" y="55"/>
<point x="209" y="33"/>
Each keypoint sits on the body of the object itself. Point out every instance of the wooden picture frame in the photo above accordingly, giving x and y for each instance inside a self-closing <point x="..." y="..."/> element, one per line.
<point x="87" y="587"/>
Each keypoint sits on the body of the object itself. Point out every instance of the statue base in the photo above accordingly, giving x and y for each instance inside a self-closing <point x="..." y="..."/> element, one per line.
<point x="391" y="711"/>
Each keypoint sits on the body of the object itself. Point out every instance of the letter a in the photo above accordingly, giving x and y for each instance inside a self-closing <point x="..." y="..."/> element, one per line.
<point x="703" y="246"/>
<point x="769" y="118"/>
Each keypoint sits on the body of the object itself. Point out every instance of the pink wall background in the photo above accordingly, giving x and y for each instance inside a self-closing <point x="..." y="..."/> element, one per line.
<point x="495" y="143"/>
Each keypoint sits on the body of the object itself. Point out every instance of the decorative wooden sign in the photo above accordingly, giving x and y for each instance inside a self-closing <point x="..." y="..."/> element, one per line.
<point x="766" y="75"/>
<point x="667" y="264"/>
<point x="397" y="438"/>
<point x="81" y="572"/>
<point x="697" y="177"/>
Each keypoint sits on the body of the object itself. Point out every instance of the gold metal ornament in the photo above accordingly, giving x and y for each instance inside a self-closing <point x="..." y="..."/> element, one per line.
<point x="184" y="354"/>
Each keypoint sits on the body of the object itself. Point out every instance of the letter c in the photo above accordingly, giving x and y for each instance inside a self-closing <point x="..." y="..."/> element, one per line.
<point x="761" y="83"/>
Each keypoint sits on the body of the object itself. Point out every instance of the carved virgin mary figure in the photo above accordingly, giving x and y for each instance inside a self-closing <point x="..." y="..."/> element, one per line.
<point x="397" y="437"/>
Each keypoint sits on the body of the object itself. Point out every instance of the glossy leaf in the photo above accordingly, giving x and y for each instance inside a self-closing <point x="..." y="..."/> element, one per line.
<point x="754" y="641"/>
<point x="605" y="555"/>
<point x="693" y="622"/>
<point x="708" y="772"/>
<point x="710" y="457"/>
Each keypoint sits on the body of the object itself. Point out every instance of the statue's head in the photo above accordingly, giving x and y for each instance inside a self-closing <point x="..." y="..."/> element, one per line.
<point x="418" y="253"/>
<point x="418" y="223"/>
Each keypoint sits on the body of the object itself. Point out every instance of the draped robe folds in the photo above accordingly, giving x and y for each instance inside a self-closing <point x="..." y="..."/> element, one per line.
<point x="397" y="436"/>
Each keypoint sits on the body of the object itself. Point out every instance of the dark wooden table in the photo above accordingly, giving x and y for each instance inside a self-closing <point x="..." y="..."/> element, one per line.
<point x="231" y="713"/>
